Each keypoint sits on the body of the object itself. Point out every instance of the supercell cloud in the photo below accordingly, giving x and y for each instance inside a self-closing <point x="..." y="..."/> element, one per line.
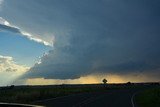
<point x="91" y="36"/>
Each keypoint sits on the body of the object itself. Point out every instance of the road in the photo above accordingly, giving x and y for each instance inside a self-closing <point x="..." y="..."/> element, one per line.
<point x="109" y="98"/>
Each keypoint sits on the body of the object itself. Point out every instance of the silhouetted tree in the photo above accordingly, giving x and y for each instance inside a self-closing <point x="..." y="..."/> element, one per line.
<point x="104" y="81"/>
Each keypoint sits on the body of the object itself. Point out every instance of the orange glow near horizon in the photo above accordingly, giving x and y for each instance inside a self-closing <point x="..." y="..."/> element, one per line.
<point x="91" y="79"/>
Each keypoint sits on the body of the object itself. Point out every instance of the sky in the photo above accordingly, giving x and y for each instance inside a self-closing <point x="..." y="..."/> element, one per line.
<point x="79" y="41"/>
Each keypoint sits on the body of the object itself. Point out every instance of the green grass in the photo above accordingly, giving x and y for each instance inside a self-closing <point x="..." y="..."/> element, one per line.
<point x="149" y="98"/>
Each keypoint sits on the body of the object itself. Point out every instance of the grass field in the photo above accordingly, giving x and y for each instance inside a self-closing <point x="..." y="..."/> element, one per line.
<point x="149" y="98"/>
<point x="29" y="94"/>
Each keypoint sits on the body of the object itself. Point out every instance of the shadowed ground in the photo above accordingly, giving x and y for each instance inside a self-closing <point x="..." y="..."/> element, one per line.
<point x="92" y="95"/>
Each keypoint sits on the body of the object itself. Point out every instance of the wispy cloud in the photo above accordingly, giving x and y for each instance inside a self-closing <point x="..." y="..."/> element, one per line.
<point x="6" y="26"/>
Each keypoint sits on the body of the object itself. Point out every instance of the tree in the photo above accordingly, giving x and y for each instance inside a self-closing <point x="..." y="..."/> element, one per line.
<point x="104" y="81"/>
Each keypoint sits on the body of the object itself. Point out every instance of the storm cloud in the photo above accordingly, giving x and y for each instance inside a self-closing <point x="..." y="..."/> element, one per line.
<point x="92" y="36"/>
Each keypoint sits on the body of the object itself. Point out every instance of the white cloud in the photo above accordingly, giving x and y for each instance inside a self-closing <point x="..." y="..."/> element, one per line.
<point x="9" y="70"/>
<point x="4" y="22"/>
<point x="6" y="26"/>
<point x="29" y="36"/>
